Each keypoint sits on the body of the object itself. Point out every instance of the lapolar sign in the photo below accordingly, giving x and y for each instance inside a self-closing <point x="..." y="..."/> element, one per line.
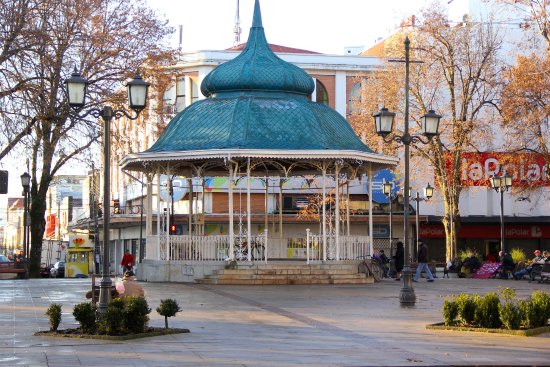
<point x="526" y="169"/>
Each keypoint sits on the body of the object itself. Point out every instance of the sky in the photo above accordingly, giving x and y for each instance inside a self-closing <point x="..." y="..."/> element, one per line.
<point x="324" y="26"/>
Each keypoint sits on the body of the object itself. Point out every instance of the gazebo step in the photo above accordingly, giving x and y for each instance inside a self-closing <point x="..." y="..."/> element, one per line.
<point x="288" y="273"/>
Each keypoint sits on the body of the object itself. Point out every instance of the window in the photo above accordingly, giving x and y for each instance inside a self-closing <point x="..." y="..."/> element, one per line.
<point x="354" y="99"/>
<point x="321" y="93"/>
<point x="180" y="93"/>
<point x="194" y="91"/>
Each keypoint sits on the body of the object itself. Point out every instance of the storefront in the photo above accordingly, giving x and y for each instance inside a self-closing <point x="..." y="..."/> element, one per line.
<point x="483" y="235"/>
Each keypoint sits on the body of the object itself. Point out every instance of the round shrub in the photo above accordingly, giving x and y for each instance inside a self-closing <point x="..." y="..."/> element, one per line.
<point x="487" y="311"/>
<point x="86" y="314"/>
<point x="54" y="315"/>
<point x="466" y="308"/>
<point x="535" y="310"/>
<point x="111" y="321"/>
<point x="136" y="310"/>
<point x="168" y="308"/>
<point x="450" y="311"/>
<point x="510" y="313"/>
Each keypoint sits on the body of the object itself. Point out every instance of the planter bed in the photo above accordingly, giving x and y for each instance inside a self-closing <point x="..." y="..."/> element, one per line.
<point x="77" y="333"/>
<point x="520" y="332"/>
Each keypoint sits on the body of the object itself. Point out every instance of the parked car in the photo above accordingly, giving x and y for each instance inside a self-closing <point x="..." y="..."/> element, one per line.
<point x="4" y="259"/>
<point x="58" y="270"/>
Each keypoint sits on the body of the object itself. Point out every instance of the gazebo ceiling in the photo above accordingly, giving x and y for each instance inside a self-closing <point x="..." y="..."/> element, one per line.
<point x="258" y="108"/>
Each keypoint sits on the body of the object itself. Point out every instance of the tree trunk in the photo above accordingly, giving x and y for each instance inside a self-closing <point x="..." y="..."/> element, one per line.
<point x="166" y="322"/>
<point x="38" y="226"/>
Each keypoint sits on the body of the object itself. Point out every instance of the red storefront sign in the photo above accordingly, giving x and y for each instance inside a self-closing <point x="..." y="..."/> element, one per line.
<point x="526" y="169"/>
<point x="50" y="226"/>
<point x="489" y="231"/>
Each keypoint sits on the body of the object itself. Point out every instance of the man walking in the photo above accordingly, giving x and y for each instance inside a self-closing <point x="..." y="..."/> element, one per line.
<point x="127" y="261"/>
<point x="423" y="262"/>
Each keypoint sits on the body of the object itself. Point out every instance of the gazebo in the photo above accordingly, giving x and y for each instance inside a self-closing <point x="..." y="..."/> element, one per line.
<point x="258" y="120"/>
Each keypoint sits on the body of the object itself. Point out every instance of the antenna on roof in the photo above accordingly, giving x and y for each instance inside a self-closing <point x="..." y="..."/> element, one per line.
<point x="180" y="37"/>
<point x="237" y="27"/>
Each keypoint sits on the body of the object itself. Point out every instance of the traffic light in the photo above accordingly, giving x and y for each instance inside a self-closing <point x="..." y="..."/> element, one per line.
<point x="173" y="229"/>
<point x="3" y="182"/>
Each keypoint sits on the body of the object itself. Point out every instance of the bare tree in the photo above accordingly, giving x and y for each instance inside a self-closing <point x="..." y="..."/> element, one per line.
<point x="106" y="40"/>
<point x="459" y="78"/>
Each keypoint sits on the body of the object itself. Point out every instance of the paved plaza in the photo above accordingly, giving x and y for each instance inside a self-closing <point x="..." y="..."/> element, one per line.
<point x="288" y="325"/>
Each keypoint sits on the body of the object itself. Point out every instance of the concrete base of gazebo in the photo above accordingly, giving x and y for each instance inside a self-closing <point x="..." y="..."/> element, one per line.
<point x="255" y="272"/>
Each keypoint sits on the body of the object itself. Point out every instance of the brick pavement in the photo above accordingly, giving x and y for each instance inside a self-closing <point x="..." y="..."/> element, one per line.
<point x="284" y="325"/>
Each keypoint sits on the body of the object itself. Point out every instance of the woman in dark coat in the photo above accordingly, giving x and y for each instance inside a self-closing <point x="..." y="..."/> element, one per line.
<point x="399" y="258"/>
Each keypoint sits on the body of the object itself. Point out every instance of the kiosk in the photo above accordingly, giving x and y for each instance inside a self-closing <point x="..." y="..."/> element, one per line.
<point x="80" y="261"/>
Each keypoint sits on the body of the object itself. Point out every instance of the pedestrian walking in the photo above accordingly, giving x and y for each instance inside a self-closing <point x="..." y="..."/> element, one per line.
<point x="127" y="261"/>
<point x="423" y="262"/>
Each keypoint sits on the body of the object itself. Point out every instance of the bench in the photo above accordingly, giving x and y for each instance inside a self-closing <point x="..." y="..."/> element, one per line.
<point x="11" y="268"/>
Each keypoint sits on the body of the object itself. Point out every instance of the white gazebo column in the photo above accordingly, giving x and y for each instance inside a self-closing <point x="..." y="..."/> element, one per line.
<point x="281" y="181"/>
<point x="230" y="209"/>
<point x="248" y="212"/>
<point x="348" y="220"/>
<point x="149" y="246"/>
<point x="337" y="214"/>
<point x="371" y="226"/>
<point x="158" y="216"/>
<point x="190" y="193"/>
<point x="324" y="215"/>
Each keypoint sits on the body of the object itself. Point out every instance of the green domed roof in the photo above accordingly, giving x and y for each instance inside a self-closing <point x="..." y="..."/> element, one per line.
<point x="257" y="68"/>
<point x="251" y="122"/>
<point x="258" y="101"/>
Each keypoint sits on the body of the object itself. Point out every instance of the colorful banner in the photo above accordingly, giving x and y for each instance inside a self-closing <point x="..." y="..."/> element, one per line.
<point x="526" y="169"/>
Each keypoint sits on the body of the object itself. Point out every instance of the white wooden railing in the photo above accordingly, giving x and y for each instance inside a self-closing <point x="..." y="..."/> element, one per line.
<point x="216" y="248"/>
<point x="349" y="248"/>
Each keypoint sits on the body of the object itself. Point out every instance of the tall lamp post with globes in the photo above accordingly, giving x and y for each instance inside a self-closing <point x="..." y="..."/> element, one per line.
<point x="387" y="189"/>
<point x="383" y="121"/>
<point x="26" y="183"/>
<point x="137" y="97"/>
<point x="501" y="184"/>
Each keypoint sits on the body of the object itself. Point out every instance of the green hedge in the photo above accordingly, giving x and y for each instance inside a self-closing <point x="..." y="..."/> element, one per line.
<point x="493" y="312"/>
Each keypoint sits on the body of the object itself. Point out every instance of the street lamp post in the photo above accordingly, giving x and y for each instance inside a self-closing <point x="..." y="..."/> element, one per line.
<point x="26" y="183"/>
<point x="76" y="87"/>
<point x="387" y="189"/>
<point x="501" y="184"/>
<point x="428" y="193"/>
<point x="383" y="121"/>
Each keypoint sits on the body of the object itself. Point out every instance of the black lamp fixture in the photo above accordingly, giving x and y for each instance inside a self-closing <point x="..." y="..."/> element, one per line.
<point x="383" y="122"/>
<point x="500" y="184"/>
<point x="76" y="87"/>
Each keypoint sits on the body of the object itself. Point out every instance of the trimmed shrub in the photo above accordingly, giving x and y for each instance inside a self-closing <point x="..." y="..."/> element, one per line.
<point x="169" y="307"/>
<point x="86" y="314"/>
<point x="535" y="310"/>
<point x="54" y="315"/>
<point x="487" y="311"/>
<point x="135" y="311"/>
<point x="450" y="311"/>
<point x="510" y="313"/>
<point x="111" y="321"/>
<point x="466" y="308"/>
